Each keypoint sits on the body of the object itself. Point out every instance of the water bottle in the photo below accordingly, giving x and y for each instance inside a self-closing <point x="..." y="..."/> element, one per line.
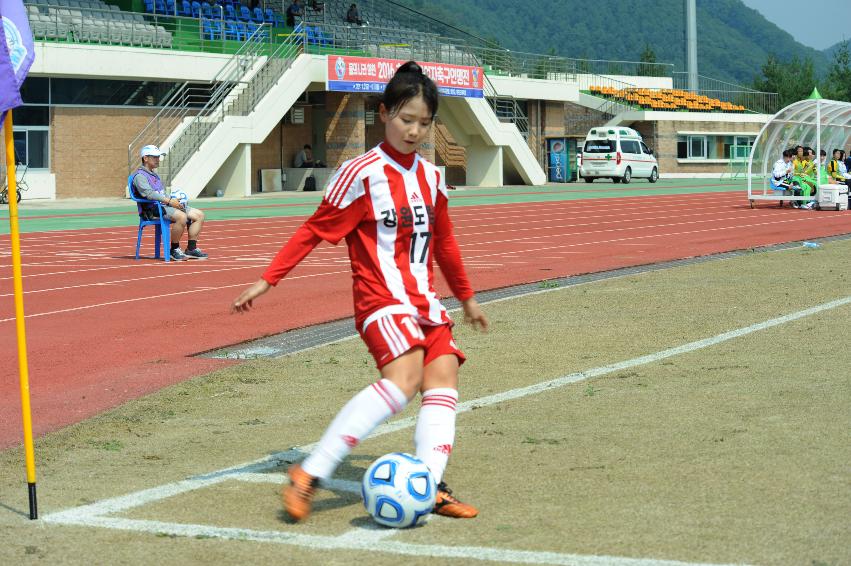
<point x="811" y="245"/>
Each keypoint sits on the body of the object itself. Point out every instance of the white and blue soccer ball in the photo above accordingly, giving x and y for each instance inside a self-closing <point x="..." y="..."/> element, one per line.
<point x="398" y="490"/>
<point x="180" y="196"/>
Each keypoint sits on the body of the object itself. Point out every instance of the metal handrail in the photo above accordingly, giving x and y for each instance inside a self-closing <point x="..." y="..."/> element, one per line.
<point x="230" y="102"/>
<point x="196" y="103"/>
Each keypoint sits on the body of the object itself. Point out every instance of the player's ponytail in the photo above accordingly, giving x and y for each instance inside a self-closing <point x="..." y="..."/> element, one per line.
<point x="408" y="82"/>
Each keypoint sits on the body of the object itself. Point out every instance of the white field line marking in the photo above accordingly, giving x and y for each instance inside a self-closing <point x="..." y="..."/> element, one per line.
<point x="372" y="545"/>
<point x="93" y="514"/>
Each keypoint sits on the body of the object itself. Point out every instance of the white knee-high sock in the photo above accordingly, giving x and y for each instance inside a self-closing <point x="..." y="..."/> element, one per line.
<point x="435" y="434"/>
<point x="366" y="410"/>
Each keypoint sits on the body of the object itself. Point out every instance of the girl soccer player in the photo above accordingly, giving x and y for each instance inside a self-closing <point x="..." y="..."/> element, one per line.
<point x="391" y="206"/>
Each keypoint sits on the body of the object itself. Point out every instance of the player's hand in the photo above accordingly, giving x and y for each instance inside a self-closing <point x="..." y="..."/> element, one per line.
<point x="243" y="302"/>
<point x="474" y="316"/>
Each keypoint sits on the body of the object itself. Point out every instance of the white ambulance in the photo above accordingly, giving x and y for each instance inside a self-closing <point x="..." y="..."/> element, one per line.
<point x="618" y="154"/>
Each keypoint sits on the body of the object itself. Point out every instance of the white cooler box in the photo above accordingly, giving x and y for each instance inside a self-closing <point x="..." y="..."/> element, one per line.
<point x="833" y="197"/>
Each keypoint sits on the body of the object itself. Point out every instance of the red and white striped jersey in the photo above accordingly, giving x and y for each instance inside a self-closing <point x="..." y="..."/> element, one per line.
<point x="392" y="209"/>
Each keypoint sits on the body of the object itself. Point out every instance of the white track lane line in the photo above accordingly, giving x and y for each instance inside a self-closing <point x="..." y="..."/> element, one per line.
<point x="94" y="514"/>
<point x="463" y="234"/>
<point x="583" y="206"/>
<point x="476" y="256"/>
<point x="148" y="298"/>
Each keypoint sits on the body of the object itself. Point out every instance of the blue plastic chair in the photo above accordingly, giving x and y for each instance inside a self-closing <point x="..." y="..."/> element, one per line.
<point x="196" y="9"/>
<point x="244" y="13"/>
<point x="206" y="11"/>
<point x="321" y="38"/>
<point x="185" y="9"/>
<point x="210" y="29"/>
<point x="230" y="14"/>
<point x="232" y="32"/>
<point x="162" y="225"/>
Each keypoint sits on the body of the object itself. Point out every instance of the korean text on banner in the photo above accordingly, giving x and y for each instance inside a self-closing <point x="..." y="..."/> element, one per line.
<point x="371" y="74"/>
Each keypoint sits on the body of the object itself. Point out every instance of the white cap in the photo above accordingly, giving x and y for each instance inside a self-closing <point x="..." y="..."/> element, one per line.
<point x="152" y="150"/>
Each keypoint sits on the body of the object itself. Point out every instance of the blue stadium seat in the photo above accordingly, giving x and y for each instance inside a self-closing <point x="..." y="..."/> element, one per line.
<point x="160" y="6"/>
<point x="162" y="225"/>
<point x="321" y="38"/>
<point x="244" y="13"/>
<point x="233" y="32"/>
<point x="206" y="11"/>
<point x="251" y="27"/>
<point x="149" y="6"/>
<point x="186" y="9"/>
<point x="196" y="9"/>
<point x="230" y="13"/>
<point x="258" y="15"/>
<point x="212" y="29"/>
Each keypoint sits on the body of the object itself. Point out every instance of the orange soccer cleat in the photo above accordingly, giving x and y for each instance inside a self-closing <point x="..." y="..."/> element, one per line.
<point x="449" y="506"/>
<point x="298" y="494"/>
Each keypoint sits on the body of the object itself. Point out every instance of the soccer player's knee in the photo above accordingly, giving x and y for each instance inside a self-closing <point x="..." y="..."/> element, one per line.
<point x="199" y="215"/>
<point x="410" y="382"/>
<point x="179" y="218"/>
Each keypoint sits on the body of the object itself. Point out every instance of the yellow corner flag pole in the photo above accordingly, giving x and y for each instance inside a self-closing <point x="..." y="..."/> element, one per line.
<point x="19" y="315"/>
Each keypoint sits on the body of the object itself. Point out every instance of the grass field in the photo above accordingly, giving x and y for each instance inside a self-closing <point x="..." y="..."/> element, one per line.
<point x="692" y="415"/>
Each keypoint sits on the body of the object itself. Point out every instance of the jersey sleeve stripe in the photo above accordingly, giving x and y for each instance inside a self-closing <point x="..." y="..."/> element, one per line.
<point x="345" y="176"/>
<point x="352" y="175"/>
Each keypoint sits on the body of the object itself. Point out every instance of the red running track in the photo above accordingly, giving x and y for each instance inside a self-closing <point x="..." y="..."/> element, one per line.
<point x="103" y="328"/>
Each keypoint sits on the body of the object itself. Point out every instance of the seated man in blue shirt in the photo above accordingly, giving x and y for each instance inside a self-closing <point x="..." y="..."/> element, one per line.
<point x="148" y="185"/>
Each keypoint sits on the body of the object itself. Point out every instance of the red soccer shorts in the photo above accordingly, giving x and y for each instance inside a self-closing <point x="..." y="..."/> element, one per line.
<point x="392" y="335"/>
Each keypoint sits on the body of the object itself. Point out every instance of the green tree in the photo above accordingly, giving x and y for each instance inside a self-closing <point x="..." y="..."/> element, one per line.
<point x="792" y="80"/>
<point x="837" y="83"/>
<point x="647" y="68"/>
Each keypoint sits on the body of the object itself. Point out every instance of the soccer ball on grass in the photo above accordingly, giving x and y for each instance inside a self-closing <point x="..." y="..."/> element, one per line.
<point x="398" y="490"/>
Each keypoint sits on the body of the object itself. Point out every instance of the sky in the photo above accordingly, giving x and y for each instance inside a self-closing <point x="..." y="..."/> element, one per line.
<point x="821" y="32"/>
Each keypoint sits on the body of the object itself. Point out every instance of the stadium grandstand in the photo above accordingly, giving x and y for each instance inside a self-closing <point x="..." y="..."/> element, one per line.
<point x="232" y="93"/>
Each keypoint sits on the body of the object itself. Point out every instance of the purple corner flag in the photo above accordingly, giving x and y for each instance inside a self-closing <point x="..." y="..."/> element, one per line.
<point x="16" y="53"/>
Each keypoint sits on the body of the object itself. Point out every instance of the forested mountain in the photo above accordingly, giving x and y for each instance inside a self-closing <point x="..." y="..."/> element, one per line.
<point x="734" y="41"/>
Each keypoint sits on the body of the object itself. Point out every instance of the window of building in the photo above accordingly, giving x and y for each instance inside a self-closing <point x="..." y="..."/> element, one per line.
<point x="32" y="146"/>
<point x="716" y="147"/>
<point x="697" y="147"/>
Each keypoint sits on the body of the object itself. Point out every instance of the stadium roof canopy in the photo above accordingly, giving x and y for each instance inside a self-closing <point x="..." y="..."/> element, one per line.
<point x="815" y="122"/>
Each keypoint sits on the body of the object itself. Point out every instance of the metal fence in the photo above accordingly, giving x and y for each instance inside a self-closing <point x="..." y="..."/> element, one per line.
<point x="757" y="101"/>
